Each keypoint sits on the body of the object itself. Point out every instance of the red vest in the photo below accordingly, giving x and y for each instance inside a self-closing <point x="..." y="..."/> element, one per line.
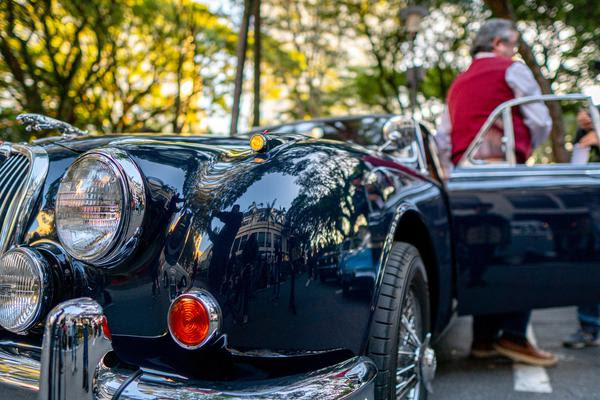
<point x="473" y="96"/>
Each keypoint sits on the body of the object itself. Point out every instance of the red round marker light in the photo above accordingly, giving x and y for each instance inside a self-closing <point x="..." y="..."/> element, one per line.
<point x="188" y="320"/>
<point x="194" y="319"/>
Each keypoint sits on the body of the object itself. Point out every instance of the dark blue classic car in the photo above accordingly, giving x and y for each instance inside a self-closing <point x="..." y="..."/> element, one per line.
<point x="155" y="267"/>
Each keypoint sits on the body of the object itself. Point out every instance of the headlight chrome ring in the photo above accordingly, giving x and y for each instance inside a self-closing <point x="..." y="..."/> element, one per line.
<point x="130" y="208"/>
<point x="26" y="289"/>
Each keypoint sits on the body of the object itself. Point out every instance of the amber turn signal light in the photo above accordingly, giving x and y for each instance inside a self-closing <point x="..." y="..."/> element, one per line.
<point x="258" y="142"/>
<point x="194" y="319"/>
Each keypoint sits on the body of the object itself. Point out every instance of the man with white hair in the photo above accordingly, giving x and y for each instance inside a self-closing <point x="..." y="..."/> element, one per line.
<point x="493" y="78"/>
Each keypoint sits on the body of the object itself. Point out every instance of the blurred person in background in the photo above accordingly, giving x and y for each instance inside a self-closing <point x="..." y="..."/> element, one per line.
<point x="585" y="150"/>
<point x="493" y="78"/>
<point x="586" y="140"/>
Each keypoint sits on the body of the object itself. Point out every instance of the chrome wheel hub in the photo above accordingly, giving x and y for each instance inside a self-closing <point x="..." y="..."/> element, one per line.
<point x="427" y="364"/>
<point x="416" y="362"/>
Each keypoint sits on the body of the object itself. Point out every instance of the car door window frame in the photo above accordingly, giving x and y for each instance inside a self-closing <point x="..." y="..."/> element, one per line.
<point x="505" y="111"/>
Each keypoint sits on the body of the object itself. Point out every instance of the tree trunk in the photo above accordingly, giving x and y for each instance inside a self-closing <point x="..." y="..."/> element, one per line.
<point x="557" y="134"/>
<point x="242" y="45"/>
<point x="177" y="106"/>
<point x="503" y="9"/>
<point x="257" y="57"/>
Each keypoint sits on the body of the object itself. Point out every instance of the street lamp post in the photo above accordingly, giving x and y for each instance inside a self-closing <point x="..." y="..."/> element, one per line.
<point x="412" y="17"/>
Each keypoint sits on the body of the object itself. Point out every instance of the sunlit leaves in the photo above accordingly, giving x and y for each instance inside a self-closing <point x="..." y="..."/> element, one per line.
<point x="168" y="65"/>
<point x="115" y="66"/>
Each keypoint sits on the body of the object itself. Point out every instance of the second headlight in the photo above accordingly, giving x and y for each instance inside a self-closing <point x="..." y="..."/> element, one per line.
<point x="100" y="206"/>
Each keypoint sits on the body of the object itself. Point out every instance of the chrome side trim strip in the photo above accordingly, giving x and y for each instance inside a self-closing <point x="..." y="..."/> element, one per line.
<point x="353" y="378"/>
<point x="17" y="369"/>
<point x="535" y="171"/>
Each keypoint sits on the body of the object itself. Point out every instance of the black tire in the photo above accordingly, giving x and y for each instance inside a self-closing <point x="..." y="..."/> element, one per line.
<point x="404" y="277"/>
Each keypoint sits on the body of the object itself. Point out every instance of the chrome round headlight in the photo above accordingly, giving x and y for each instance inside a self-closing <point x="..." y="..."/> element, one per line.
<point x="100" y="206"/>
<point x="24" y="287"/>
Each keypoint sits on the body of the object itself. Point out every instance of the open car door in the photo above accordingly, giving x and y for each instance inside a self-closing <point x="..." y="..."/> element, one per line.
<point x="526" y="236"/>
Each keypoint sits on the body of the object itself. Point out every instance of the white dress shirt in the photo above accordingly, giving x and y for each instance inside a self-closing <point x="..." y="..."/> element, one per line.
<point x="535" y="115"/>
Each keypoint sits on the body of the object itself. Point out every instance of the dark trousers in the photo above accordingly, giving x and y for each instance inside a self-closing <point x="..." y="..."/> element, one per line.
<point x="589" y="318"/>
<point x="487" y="328"/>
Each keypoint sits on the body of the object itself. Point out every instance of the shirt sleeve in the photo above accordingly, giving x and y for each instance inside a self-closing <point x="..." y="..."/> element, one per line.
<point x="443" y="142"/>
<point x="536" y="115"/>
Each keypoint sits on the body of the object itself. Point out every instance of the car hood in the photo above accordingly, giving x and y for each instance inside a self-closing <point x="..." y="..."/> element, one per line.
<point x="191" y="181"/>
<point x="85" y="143"/>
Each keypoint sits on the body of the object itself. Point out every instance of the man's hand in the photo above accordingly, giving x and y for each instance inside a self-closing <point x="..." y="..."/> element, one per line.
<point x="590" y="139"/>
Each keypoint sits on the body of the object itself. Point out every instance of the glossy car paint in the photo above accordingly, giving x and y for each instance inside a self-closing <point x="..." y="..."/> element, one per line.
<point x="249" y="229"/>
<point x="353" y="269"/>
<point x="526" y="236"/>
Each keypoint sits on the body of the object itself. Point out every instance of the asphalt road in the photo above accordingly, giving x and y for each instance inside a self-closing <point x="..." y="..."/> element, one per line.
<point x="577" y="376"/>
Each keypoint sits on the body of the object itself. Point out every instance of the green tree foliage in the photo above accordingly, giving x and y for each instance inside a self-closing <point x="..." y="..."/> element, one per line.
<point x="354" y="55"/>
<point x="438" y="53"/>
<point x="549" y="35"/>
<point x="168" y="65"/>
<point x="132" y="65"/>
<point x="564" y="37"/>
<point x="312" y="37"/>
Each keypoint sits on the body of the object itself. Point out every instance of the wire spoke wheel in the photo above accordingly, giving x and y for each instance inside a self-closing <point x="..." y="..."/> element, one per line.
<point x="409" y="344"/>
<point x="399" y="338"/>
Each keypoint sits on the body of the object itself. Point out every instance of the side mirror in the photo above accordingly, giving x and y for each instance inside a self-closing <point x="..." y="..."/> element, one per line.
<point x="403" y="138"/>
<point x="400" y="131"/>
<point x="400" y="134"/>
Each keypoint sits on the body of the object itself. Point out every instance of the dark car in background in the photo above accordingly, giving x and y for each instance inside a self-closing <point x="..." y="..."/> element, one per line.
<point x="357" y="267"/>
<point x="149" y="266"/>
<point x="327" y="264"/>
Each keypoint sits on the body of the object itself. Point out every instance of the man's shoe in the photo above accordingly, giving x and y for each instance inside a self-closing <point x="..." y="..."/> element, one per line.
<point x="483" y="350"/>
<point x="581" y="339"/>
<point x="524" y="352"/>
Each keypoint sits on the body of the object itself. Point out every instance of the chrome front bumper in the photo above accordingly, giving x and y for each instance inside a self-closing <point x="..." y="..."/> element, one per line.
<point x="71" y="366"/>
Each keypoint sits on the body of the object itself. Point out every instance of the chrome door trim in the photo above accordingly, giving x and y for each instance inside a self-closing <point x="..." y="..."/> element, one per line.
<point x="509" y="136"/>
<point x="591" y="169"/>
<point x="505" y="109"/>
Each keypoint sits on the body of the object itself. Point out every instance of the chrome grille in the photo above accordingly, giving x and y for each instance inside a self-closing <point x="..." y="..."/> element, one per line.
<point x="22" y="172"/>
<point x="12" y="181"/>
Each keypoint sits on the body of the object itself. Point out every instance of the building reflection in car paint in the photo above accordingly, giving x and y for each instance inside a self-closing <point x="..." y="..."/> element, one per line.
<point x="300" y="203"/>
<point x="252" y="234"/>
<point x="261" y="257"/>
<point x="357" y="266"/>
<point x="326" y="266"/>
